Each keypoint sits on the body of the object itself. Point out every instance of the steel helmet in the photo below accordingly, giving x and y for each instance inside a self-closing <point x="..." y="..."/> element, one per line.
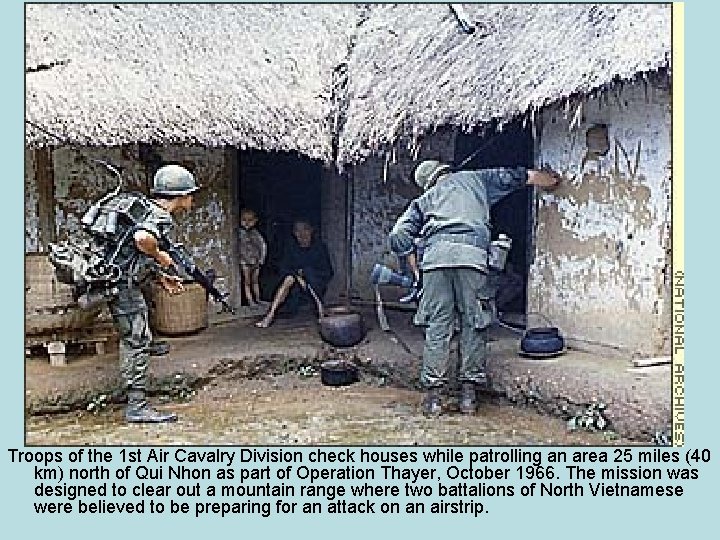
<point x="173" y="180"/>
<point x="427" y="173"/>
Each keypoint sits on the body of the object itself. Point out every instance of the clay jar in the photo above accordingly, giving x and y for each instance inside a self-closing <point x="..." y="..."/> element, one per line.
<point x="341" y="327"/>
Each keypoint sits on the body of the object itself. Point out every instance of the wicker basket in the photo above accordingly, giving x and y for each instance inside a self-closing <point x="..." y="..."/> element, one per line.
<point x="49" y="305"/>
<point x="178" y="314"/>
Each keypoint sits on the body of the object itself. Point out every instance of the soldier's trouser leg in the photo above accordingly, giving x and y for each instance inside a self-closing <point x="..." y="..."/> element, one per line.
<point x="156" y="347"/>
<point x="475" y="312"/>
<point x="134" y="339"/>
<point x="130" y="314"/>
<point x="436" y="313"/>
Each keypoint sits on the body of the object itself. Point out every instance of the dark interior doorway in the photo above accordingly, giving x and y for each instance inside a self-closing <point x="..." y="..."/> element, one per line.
<point x="512" y="147"/>
<point x="281" y="187"/>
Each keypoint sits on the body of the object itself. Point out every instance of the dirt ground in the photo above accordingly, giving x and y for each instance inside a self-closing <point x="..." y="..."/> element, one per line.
<point x="295" y="410"/>
<point x="237" y="384"/>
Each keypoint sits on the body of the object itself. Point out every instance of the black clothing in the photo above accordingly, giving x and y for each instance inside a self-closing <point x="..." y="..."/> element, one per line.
<point x="312" y="264"/>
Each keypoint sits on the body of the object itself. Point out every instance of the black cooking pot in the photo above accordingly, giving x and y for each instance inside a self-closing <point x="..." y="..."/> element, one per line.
<point x="341" y="327"/>
<point x="542" y="342"/>
<point x="543" y="331"/>
<point x="338" y="373"/>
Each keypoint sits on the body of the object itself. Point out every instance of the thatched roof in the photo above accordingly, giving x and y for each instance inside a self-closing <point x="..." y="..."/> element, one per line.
<point x="208" y="74"/>
<point x="413" y="69"/>
<point x="263" y="75"/>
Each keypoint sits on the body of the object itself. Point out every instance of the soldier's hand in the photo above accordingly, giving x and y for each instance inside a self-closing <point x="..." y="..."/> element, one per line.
<point x="545" y="179"/>
<point x="172" y="284"/>
<point x="164" y="259"/>
<point x="557" y="177"/>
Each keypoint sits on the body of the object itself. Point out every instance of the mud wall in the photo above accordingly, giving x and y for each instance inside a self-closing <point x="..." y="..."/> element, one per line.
<point x="382" y="188"/>
<point x="602" y="253"/>
<point x="74" y="182"/>
<point x="32" y="223"/>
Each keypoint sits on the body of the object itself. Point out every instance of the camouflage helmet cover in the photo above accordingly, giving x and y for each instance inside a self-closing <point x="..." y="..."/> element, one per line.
<point x="427" y="173"/>
<point x="173" y="180"/>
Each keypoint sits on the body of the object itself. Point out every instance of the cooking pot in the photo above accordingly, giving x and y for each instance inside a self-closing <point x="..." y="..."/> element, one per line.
<point x="341" y="327"/>
<point x="542" y="342"/>
<point x="543" y="331"/>
<point x="338" y="373"/>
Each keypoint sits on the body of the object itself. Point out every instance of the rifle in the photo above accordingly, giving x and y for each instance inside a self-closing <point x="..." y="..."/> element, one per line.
<point x="184" y="260"/>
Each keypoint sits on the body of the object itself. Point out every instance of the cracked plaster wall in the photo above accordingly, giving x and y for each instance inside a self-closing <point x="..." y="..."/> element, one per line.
<point x="602" y="252"/>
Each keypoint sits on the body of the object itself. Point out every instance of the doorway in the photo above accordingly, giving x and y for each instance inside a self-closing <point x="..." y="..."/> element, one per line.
<point x="281" y="187"/>
<point x="511" y="147"/>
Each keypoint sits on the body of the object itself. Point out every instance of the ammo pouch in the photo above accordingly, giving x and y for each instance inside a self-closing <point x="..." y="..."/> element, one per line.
<point x="498" y="253"/>
<point x="485" y="313"/>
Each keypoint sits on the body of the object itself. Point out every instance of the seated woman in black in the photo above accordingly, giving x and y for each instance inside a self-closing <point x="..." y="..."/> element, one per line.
<point x="305" y="262"/>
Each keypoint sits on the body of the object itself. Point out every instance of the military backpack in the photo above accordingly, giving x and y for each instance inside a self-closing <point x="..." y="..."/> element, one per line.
<point x="90" y="264"/>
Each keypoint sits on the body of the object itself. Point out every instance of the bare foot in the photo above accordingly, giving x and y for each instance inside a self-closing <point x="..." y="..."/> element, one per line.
<point x="264" y="322"/>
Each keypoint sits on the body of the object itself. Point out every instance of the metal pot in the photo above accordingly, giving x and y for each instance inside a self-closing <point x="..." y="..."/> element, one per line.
<point x="338" y="373"/>
<point x="543" y="331"/>
<point x="542" y="342"/>
<point x="341" y="327"/>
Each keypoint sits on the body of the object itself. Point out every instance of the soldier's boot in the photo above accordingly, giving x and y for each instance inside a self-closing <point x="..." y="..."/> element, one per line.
<point x="468" y="398"/>
<point x="158" y="348"/>
<point x="139" y="411"/>
<point x="432" y="404"/>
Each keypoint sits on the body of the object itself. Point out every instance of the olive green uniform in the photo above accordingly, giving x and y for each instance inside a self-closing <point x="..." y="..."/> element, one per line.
<point x="124" y="270"/>
<point x="452" y="219"/>
<point x="129" y="309"/>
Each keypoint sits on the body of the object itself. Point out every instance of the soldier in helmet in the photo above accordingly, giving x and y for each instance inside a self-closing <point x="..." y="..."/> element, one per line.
<point x="452" y="220"/>
<point x="140" y="257"/>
